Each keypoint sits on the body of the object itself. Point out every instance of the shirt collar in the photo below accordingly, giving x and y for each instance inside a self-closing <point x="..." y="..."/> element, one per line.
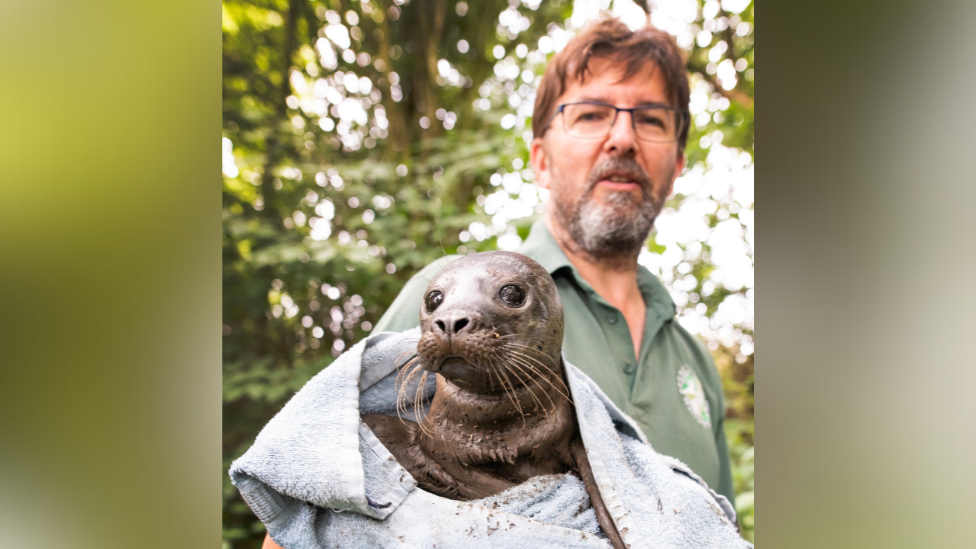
<point x="541" y="246"/>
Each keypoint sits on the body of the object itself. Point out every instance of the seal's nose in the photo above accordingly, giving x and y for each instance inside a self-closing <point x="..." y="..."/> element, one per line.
<point x="452" y="325"/>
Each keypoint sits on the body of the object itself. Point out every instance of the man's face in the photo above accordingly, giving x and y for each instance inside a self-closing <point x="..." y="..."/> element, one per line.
<point x="605" y="193"/>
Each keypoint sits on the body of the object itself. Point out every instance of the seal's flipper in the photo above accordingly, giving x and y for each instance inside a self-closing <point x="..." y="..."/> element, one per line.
<point x="596" y="501"/>
<point x="400" y="438"/>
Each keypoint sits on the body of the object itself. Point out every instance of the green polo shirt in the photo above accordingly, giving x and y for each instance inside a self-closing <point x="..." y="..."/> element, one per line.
<point x="672" y="390"/>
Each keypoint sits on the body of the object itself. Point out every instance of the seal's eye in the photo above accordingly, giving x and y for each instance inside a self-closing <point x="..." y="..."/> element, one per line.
<point x="512" y="295"/>
<point x="433" y="301"/>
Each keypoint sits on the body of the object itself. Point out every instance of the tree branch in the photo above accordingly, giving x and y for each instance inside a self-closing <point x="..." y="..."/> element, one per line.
<point x="734" y="94"/>
<point x="280" y="113"/>
<point x="394" y="111"/>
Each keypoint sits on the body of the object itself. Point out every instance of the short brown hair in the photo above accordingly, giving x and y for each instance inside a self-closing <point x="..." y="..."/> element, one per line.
<point x="611" y="38"/>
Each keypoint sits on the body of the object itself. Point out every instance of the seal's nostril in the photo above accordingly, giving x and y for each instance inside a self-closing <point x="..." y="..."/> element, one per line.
<point x="440" y="324"/>
<point x="460" y="324"/>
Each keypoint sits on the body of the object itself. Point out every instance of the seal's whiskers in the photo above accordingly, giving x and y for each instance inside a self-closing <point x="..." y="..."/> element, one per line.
<point x="491" y="378"/>
<point x="532" y="349"/>
<point x="525" y="363"/>
<point x="405" y="376"/>
<point x="418" y="403"/>
<point x="533" y="370"/>
<point x="524" y="360"/>
<point x="519" y="367"/>
<point x="528" y="352"/>
<point x="538" y="403"/>
<point x="402" y="368"/>
<point x="509" y="388"/>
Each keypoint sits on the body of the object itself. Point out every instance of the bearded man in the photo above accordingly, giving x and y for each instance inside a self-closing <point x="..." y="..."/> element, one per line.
<point x="610" y="125"/>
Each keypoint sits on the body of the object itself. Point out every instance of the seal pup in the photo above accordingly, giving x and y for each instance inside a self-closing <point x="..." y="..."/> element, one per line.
<point x="491" y="331"/>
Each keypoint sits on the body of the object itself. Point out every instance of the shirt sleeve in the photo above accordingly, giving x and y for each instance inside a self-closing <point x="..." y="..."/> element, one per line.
<point x="404" y="312"/>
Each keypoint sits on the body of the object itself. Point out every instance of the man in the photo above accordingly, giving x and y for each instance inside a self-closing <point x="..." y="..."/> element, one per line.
<point x="610" y="124"/>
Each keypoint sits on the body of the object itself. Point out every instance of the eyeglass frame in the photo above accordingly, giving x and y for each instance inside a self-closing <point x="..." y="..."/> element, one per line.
<point x="685" y="117"/>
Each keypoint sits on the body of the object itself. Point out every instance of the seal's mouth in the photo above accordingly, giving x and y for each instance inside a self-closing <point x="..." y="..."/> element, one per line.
<point x="485" y="361"/>
<point x="458" y="368"/>
<point x="464" y="372"/>
<point x="452" y="361"/>
<point x="438" y="365"/>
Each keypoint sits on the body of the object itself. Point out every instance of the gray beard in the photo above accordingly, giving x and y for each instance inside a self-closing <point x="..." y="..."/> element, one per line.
<point x="616" y="229"/>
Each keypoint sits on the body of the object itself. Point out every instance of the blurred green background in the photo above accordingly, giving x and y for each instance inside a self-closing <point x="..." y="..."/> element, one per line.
<point x="110" y="274"/>
<point x="364" y="139"/>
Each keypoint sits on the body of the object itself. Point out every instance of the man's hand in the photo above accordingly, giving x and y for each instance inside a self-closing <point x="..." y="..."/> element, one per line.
<point x="270" y="544"/>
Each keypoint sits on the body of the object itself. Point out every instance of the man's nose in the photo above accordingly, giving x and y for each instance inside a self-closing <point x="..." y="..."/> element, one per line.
<point x="622" y="138"/>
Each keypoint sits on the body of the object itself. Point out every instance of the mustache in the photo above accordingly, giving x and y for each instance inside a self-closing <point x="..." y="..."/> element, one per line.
<point x="619" y="165"/>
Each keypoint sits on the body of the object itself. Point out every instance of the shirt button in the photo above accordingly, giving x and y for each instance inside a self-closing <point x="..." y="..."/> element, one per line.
<point x="629" y="368"/>
<point x="612" y="318"/>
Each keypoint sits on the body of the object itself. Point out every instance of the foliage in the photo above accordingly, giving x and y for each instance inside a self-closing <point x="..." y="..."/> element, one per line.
<point x="738" y="382"/>
<point x="363" y="139"/>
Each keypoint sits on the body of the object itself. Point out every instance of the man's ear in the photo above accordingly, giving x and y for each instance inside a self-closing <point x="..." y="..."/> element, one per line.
<point x="540" y="162"/>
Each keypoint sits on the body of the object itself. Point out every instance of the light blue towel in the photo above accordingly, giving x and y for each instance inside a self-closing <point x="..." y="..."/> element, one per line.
<point x="318" y="477"/>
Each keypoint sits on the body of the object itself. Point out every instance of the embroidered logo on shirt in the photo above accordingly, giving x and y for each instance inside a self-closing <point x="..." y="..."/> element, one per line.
<point x="693" y="392"/>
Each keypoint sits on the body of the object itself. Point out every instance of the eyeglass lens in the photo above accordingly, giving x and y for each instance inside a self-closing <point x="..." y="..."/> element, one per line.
<point x="591" y="121"/>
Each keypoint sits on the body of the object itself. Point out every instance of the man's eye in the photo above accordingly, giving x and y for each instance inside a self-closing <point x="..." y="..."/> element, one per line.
<point x="591" y="116"/>
<point x="651" y="120"/>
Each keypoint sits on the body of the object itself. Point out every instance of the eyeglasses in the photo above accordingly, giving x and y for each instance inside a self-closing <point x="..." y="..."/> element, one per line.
<point x="594" y="119"/>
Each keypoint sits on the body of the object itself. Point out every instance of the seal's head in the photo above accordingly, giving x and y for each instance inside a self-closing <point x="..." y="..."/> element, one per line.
<point x="492" y="322"/>
<point x="501" y="413"/>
